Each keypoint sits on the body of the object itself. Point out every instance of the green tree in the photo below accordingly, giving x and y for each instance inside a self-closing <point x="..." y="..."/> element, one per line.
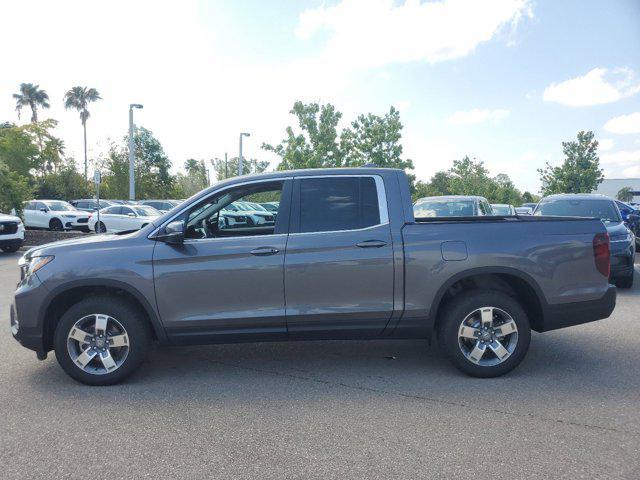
<point x="528" y="197"/>
<point x="625" y="194"/>
<point x="14" y="190"/>
<point x="196" y="177"/>
<point x="17" y="151"/>
<point x="33" y="97"/>
<point x="317" y="145"/>
<point x="229" y="169"/>
<point x="79" y="98"/>
<point x="65" y="184"/>
<point x="152" y="176"/>
<point x="580" y="171"/>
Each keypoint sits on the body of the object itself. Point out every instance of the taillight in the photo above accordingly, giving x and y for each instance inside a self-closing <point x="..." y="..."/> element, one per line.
<point x="602" y="253"/>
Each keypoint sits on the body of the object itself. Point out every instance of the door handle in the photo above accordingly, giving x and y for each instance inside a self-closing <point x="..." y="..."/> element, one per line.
<point x="371" y="244"/>
<point x="264" y="251"/>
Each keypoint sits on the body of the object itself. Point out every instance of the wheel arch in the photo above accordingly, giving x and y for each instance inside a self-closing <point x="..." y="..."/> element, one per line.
<point x="508" y="280"/>
<point x="61" y="298"/>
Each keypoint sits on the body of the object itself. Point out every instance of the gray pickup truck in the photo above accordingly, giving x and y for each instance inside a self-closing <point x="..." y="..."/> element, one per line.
<point x="345" y="259"/>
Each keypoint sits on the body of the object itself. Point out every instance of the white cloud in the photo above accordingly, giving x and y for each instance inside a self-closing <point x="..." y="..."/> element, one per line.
<point x="605" y="144"/>
<point x="631" y="172"/>
<point x="373" y="33"/>
<point x="621" y="158"/>
<point x="476" y="115"/>
<point x="597" y="87"/>
<point x="624" y="124"/>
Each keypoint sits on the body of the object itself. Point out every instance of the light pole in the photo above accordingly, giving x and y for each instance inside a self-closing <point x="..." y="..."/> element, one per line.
<point x="132" y="153"/>
<point x="240" y="155"/>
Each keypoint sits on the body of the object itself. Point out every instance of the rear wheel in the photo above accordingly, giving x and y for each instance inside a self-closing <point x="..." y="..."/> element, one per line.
<point x="56" y="225"/>
<point x="625" y="282"/>
<point x="484" y="333"/>
<point x="101" y="340"/>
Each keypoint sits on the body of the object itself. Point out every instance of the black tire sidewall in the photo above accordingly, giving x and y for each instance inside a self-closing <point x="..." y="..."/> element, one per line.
<point x="100" y="228"/>
<point x="125" y="313"/>
<point x="53" y="223"/>
<point x="10" y="249"/>
<point x="458" y="309"/>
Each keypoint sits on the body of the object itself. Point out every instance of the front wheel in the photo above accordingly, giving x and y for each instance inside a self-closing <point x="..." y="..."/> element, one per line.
<point x="56" y="225"/>
<point x="484" y="333"/>
<point x="100" y="228"/>
<point x="101" y="340"/>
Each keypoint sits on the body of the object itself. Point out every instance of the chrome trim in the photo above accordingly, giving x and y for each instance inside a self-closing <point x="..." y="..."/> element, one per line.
<point x="200" y="240"/>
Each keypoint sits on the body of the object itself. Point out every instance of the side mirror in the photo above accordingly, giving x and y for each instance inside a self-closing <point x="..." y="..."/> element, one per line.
<point x="45" y="210"/>
<point x="633" y="217"/>
<point x="173" y="233"/>
<point x="131" y="214"/>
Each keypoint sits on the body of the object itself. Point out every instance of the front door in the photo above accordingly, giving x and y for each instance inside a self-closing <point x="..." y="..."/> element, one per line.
<point x="224" y="283"/>
<point x="339" y="262"/>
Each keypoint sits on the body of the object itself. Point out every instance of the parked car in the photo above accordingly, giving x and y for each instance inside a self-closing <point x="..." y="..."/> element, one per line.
<point x="531" y="205"/>
<point x="163" y="206"/>
<point x="271" y="206"/>
<point x="11" y="233"/>
<point x="452" y="206"/>
<point x="524" y="211"/>
<point x="257" y="210"/>
<point x="90" y="204"/>
<point x="503" y="209"/>
<point x="346" y="259"/>
<point x="54" y="215"/>
<point x="119" y="218"/>
<point x="123" y="202"/>
<point x="605" y="208"/>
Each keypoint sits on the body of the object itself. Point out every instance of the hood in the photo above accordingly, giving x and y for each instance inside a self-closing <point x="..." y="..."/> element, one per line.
<point x="90" y="241"/>
<point x="8" y="218"/>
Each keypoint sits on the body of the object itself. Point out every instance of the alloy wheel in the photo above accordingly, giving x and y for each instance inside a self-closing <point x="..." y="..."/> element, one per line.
<point x="488" y="336"/>
<point x="98" y="344"/>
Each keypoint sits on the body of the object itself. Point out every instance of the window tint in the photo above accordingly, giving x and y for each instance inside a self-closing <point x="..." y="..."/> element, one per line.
<point x="30" y="206"/>
<point x="340" y="203"/>
<point x="113" y="210"/>
<point x="126" y="211"/>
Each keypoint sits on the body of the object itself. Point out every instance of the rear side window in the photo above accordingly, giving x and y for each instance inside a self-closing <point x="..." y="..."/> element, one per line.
<point x="338" y="203"/>
<point x="113" y="210"/>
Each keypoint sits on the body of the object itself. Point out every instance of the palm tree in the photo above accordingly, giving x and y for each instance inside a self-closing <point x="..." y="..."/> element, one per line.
<point x="31" y="96"/>
<point x="78" y="98"/>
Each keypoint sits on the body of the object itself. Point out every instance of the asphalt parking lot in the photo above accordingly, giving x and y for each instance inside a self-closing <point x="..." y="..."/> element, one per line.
<point x="330" y="410"/>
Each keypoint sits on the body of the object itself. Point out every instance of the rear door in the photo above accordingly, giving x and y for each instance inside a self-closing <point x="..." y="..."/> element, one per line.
<point x="339" y="259"/>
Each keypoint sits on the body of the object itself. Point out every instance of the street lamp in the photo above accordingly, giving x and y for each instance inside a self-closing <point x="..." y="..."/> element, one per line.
<point x="240" y="155"/>
<point x="132" y="152"/>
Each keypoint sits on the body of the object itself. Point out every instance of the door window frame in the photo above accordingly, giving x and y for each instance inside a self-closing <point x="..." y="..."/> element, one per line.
<point x="381" y="193"/>
<point x="283" y="211"/>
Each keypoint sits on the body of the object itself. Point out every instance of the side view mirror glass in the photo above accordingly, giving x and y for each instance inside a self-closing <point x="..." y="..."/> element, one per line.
<point x="44" y="210"/>
<point x="131" y="214"/>
<point x="173" y="233"/>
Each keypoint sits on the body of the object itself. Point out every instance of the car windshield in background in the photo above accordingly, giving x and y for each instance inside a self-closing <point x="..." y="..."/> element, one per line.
<point x="501" y="209"/>
<point x="605" y="210"/>
<point x="444" y="208"/>
<point x="60" y="206"/>
<point x="146" y="211"/>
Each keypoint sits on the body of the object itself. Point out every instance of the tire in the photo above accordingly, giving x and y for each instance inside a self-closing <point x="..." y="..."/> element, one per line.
<point x="56" y="225"/>
<point x="625" y="282"/>
<point x="100" y="228"/>
<point x="11" y="249"/>
<point x="125" y="325"/>
<point x="484" y="346"/>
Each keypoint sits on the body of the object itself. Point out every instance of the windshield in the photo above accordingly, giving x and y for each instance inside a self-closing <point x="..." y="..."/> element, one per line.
<point x="444" y="208"/>
<point x="146" y="211"/>
<point x="605" y="210"/>
<point x="60" y="206"/>
<point x="501" y="209"/>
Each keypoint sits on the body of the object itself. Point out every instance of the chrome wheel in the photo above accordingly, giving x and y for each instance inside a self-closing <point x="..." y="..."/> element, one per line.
<point x="98" y="344"/>
<point x="488" y="336"/>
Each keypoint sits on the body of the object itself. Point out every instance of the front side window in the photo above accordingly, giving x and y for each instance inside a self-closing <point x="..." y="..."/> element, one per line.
<point x="338" y="203"/>
<point x="60" y="206"/>
<point x="225" y="214"/>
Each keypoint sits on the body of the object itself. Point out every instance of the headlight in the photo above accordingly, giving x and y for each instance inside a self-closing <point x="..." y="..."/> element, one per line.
<point x="30" y="266"/>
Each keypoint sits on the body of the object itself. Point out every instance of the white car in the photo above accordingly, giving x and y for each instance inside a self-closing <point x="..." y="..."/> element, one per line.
<point x="11" y="233"/>
<point x="54" y="215"/>
<point x="119" y="218"/>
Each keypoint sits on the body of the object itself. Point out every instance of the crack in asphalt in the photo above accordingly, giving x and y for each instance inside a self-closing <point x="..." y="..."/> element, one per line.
<point x="532" y="416"/>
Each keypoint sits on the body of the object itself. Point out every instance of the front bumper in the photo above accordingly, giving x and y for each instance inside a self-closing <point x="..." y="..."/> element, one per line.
<point x="576" y="313"/>
<point x="24" y="314"/>
<point x="622" y="262"/>
<point x="11" y="242"/>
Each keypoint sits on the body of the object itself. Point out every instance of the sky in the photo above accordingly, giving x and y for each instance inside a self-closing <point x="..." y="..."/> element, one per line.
<point x="504" y="81"/>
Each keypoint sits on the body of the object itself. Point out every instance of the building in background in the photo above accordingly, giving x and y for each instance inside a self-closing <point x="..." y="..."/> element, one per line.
<point x="611" y="187"/>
